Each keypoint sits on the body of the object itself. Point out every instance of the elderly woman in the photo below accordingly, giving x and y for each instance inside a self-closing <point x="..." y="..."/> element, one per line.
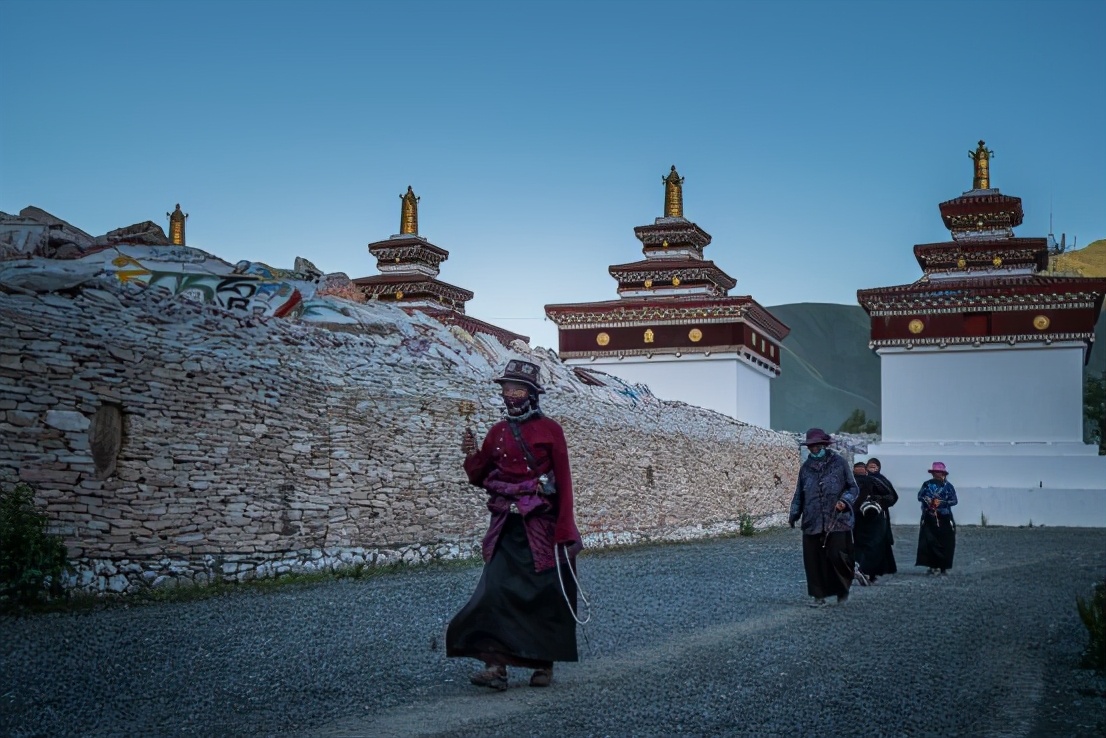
<point x="937" y="537"/>
<point x="824" y="498"/>
<point x="872" y="533"/>
<point x="524" y="608"/>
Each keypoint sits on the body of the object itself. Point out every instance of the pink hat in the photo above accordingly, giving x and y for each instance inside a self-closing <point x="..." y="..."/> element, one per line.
<point x="939" y="466"/>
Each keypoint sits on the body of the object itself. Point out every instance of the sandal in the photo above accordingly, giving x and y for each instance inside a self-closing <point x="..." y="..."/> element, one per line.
<point x="493" y="676"/>
<point x="542" y="677"/>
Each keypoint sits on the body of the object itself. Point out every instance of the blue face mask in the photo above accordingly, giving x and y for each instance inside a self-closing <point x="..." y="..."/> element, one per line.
<point x="820" y="454"/>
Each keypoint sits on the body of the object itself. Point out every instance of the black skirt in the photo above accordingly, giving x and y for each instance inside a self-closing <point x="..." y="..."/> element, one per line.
<point x="516" y="617"/>
<point x="936" y="542"/>
<point x="872" y="545"/>
<point x="828" y="561"/>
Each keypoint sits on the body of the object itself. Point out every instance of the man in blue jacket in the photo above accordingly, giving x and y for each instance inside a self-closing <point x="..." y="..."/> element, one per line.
<point x="824" y="497"/>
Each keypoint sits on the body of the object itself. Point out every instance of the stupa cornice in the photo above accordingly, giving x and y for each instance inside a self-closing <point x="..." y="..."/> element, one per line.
<point x="621" y="313"/>
<point x="986" y="254"/>
<point x="674" y="232"/>
<point x="658" y="272"/>
<point x="1012" y="339"/>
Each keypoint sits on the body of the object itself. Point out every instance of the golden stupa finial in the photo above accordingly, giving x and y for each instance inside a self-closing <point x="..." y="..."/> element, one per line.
<point x="982" y="158"/>
<point x="409" y="213"/>
<point x="673" y="194"/>
<point x="176" y="226"/>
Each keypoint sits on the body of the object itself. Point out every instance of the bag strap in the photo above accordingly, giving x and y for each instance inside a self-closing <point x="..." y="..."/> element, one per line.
<point x="517" y="432"/>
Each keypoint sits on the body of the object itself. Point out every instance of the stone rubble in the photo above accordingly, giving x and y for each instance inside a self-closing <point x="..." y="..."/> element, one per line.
<point x="254" y="445"/>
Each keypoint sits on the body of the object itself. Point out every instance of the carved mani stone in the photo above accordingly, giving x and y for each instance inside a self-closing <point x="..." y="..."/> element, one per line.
<point x="106" y="438"/>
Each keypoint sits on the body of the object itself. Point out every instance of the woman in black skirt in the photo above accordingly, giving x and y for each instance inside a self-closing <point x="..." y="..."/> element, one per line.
<point x="523" y="612"/>
<point x="937" y="537"/>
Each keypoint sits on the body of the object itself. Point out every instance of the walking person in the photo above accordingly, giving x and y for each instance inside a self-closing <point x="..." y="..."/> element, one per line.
<point x="872" y="538"/>
<point x="824" y="496"/>
<point x="937" y="536"/>
<point x="523" y="610"/>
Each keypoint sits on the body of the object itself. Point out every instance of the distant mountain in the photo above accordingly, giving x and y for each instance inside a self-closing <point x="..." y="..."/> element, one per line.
<point x="826" y="367"/>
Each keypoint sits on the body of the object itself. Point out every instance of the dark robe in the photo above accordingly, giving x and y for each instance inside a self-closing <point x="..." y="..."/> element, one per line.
<point x="872" y="537"/>
<point x="937" y="536"/>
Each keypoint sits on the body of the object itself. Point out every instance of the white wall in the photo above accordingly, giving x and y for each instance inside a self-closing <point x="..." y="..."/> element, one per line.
<point x="722" y="382"/>
<point x="985" y="394"/>
<point x="754" y="396"/>
<point x="1011" y="484"/>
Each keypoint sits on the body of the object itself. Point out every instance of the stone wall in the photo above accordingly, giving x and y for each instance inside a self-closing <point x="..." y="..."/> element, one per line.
<point x="252" y="445"/>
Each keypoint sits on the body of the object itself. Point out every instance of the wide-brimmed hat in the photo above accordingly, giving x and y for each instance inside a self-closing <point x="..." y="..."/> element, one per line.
<point x="816" y="435"/>
<point x="938" y="466"/>
<point x="522" y="372"/>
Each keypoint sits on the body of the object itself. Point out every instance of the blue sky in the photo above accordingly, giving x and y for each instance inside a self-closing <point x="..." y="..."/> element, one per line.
<point x="816" y="138"/>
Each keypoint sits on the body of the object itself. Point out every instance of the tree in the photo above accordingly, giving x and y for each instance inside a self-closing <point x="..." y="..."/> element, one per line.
<point x="858" y="422"/>
<point x="30" y="556"/>
<point x="1094" y="409"/>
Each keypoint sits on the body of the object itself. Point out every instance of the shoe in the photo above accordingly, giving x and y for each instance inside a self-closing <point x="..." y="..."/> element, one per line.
<point x="944" y="572"/>
<point x="931" y="571"/>
<point x="818" y="602"/>
<point x="541" y="677"/>
<point x="872" y="579"/>
<point x="842" y="599"/>
<point x="493" y="676"/>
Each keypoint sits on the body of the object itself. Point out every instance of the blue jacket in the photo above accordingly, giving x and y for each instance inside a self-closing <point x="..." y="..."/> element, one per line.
<point x="942" y="492"/>
<point x="822" y="482"/>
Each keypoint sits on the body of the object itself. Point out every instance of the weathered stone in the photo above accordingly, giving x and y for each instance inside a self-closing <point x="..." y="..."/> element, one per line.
<point x="146" y="233"/>
<point x="66" y="420"/>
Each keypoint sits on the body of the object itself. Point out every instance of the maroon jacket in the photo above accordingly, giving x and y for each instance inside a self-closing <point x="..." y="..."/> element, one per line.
<point x="501" y="468"/>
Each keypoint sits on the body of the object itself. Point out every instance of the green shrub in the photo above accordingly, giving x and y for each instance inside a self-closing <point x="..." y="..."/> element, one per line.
<point x="30" y="558"/>
<point x="747" y="528"/>
<point x="1093" y="615"/>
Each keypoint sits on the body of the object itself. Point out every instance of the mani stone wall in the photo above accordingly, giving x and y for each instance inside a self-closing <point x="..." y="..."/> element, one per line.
<point x="170" y="440"/>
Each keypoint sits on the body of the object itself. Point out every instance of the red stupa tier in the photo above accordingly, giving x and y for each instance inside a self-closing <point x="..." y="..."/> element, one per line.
<point x="672" y="302"/>
<point x="986" y="285"/>
<point x="654" y="326"/>
<point x="409" y="266"/>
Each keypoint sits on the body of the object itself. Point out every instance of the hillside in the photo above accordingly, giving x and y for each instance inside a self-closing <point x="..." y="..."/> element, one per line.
<point x="827" y="370"/>
<point x="1089" y="261"/>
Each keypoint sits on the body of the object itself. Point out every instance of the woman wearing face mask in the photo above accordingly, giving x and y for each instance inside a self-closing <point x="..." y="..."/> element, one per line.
<point x="824" y="498"/>
<point x="522" y="613"/>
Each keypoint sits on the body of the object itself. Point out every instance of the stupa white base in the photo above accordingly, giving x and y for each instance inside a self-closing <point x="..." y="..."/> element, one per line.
<point x="1058" y="484"/>
<point x="1007" y="420"/>
<point x="725" y="383"/>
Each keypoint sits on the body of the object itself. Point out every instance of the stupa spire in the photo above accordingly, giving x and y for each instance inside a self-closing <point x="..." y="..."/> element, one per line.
<point x="409" y="213"/>
<point x="176" y="226"/>
<point x="673" y="194"/>
<point x="982" y="158"/>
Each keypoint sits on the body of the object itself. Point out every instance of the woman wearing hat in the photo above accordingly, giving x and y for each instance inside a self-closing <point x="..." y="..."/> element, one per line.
<point x="824" y="498"/>
<point x="937" y="537"/>
<point x="523" y="611"/>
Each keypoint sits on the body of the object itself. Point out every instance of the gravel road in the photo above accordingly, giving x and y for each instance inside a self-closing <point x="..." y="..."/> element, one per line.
<point x="707" y="638"/>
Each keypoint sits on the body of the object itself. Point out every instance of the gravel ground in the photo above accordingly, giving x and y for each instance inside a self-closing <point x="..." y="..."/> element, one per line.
<point x="706" y="638"/>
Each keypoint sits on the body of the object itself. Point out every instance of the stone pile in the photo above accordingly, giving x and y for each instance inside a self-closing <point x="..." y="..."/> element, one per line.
<point x="174" y="441"/>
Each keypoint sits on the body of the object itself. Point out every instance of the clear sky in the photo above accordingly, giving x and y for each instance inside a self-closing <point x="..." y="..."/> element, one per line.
<point x="816" y="138"/>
